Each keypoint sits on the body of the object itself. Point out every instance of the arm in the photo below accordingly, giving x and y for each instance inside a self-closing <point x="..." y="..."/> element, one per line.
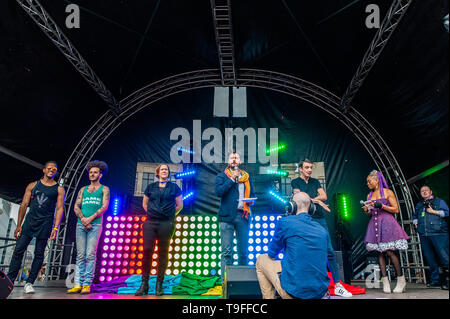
<point x="23" y="209"/>
<point x="294" y="187"/>
<point x="393" y="208"/>
<point x="277" y="242"/>
<point x="415" y="215"/>
<point x="145" y="203"/>
<point x="77" y="206"/>
<point x="59" y="212"/>
<point x="442" y="209"/>
<point x="178" y="204"/>
<point x="366" y="209"/>
<point x="103" y="208"/>
<point x="222" y="185"/>
<point x="322" y="196"/>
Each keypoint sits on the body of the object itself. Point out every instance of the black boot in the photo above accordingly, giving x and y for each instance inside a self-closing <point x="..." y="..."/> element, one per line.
<point x="143" y="289"/>
<point x="159" y="289"/>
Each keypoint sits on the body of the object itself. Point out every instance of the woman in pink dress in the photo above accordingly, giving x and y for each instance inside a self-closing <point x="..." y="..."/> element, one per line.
<point x="384" y="234"/>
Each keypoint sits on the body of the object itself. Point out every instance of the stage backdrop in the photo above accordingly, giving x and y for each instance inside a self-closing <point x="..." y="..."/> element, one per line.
<point x="203" y="122"/>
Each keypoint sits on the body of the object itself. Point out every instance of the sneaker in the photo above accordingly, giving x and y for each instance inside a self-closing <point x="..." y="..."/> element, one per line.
<point x="76" y="289"/>
<point x="28" y="288"/>
<point x="339" y="290"/>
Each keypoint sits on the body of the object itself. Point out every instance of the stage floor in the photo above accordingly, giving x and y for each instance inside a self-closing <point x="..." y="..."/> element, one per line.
<point x="413" y="291"/>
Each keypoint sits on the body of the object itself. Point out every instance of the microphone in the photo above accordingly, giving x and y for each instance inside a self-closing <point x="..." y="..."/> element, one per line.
<point x="235" y="168"/>
<point x="364" y="203"/>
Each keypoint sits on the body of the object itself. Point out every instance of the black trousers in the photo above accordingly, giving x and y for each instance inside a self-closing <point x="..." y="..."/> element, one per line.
<point x="16" y="259"/>
<point x="161" y="230"/>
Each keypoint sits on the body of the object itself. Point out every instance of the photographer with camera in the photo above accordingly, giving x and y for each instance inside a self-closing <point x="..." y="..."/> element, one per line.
<point x="311" y="186"/>
<point x="429" y="219"/>
<point x="304" y="265"/>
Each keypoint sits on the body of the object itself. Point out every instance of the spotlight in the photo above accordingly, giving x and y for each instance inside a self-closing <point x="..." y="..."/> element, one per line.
<point x="343" y="205"/>
<point x="185" y="174"/>
<point x="278" y="173"/>
<point x="183" y="150"/>
<point x="275" y="149"/>
<point x="281" y="199"/>
<point x="188" y="195"/>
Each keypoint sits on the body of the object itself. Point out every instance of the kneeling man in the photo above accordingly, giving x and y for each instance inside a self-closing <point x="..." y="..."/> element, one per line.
<point x="302" y="273"/>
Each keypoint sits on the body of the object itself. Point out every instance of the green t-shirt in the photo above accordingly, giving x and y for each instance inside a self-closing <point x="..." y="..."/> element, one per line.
<point x="91" y="203"/>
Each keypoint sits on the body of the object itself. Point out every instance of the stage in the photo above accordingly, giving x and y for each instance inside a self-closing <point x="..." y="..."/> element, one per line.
<point x="413" y="291"/>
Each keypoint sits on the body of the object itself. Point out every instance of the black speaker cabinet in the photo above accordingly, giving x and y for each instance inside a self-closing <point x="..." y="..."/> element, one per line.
<point x="241" y="282"/>
<point x="6" y="286"/>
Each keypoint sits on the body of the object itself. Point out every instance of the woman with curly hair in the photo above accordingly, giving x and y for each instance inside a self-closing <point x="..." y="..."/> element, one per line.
<point x="91" y="203"/>
<point x="384" y="234"/>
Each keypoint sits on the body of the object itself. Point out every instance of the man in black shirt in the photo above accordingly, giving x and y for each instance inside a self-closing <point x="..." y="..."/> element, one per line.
<point x="311" y="186"/>
<point x="43" y="197"/>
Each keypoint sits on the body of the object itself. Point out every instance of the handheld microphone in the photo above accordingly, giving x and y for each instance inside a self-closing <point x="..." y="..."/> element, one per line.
<point x="235" y="168"/>
<point x="364" y="203"/>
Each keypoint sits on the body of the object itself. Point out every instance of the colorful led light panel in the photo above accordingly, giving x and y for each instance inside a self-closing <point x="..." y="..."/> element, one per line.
<point x="194" y="247"/>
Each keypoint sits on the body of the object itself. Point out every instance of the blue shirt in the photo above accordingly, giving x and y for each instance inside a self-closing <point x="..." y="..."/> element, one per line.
<point x="304" y="265"/>
<point x="430" y="224"/>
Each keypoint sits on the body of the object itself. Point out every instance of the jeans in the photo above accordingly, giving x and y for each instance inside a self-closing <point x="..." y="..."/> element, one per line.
<point x="86" y="240"/>
<point x="240" y="224"/>
<point x="19" y="251"/>
<point x="332" y="262"/>
<point x="432" y="247"/>
<point x="152" y="230"/>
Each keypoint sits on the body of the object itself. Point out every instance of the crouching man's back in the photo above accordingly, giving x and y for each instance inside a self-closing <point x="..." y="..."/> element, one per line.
<point x="303" y="268"/>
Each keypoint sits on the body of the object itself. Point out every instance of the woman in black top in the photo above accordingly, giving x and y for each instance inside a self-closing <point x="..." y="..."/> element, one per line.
<point x="162" y="202"/>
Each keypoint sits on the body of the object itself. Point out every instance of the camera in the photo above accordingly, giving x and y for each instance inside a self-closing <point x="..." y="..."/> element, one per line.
<point x="427" y="204"/>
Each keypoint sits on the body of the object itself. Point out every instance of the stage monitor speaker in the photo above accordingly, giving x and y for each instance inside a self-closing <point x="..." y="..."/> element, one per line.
<point x="6" y="286"/>
<point x="241" y="282"/>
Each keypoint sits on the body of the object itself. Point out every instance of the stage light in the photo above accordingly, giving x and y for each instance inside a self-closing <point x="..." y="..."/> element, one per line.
<point x="185" y="174"/>
<point x="343" y="205"/>
<point x="188" y="195"/>
<point x="203" y="246"/>
<point x="275" y="149"/>
<point x="185" y="150"/>
<point x="281" y="199"/>
<point x="278" y="173"/>
<point x="116" y="206"/>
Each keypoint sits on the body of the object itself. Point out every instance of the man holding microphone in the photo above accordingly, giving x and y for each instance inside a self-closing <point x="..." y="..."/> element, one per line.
<point x="234" y="187"/>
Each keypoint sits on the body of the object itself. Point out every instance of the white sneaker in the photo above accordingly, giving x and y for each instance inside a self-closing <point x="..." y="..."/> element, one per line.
<point x="339" y="290"/>
<point x="28" y="288"/>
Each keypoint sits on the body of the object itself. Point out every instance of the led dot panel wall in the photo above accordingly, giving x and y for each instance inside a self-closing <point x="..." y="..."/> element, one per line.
<point x="194" y="247"/>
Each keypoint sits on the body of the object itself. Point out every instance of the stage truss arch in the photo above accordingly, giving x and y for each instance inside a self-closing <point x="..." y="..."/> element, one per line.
<point x="411" y="260"/>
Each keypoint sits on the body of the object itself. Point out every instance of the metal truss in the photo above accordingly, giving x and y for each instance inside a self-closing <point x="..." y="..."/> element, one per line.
<point x="388" y="26"/>
<point x="368" y="136"/>
<point x="35" y="10"/>
<point x="221" y="11"/>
